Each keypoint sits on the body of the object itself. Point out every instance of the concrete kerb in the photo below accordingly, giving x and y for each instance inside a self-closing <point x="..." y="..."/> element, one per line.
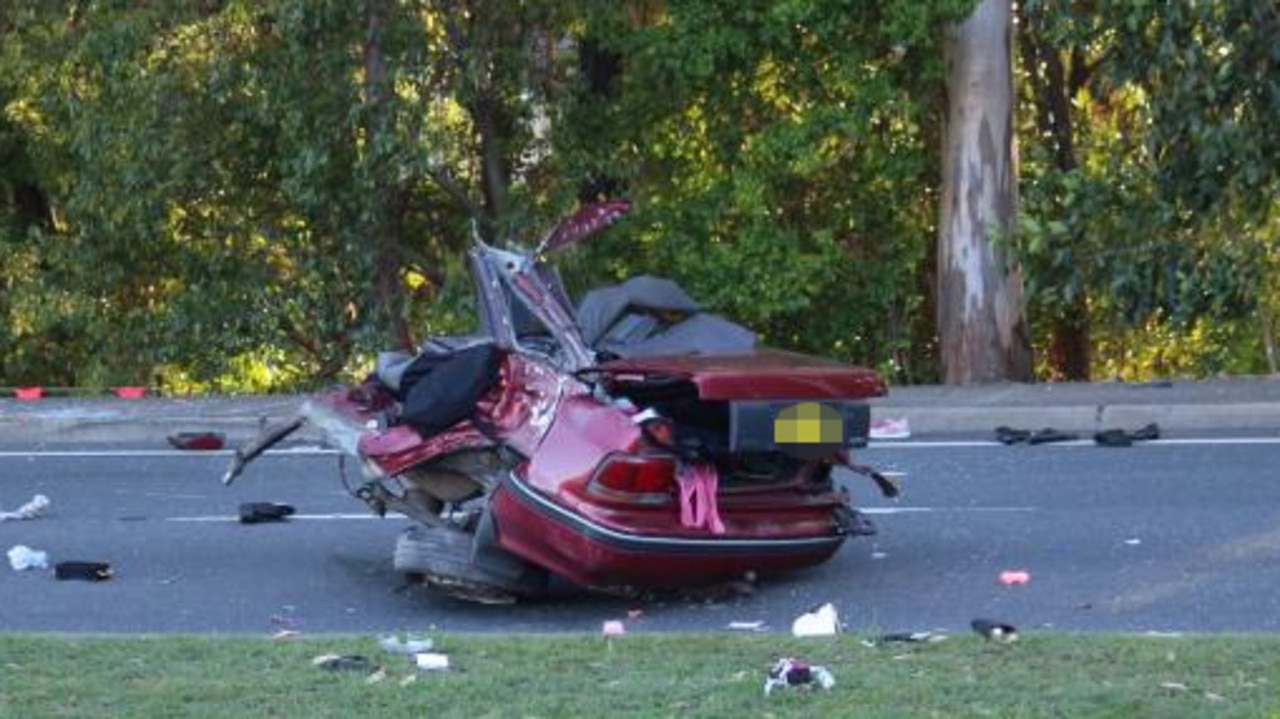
<point x="929" y="411"/>
<point x="147" y="423"/>
<point x="1257" y="416"/>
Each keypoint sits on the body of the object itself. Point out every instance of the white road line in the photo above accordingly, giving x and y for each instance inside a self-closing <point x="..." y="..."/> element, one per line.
<point x="341" y="516"/>
<point x="928" y="510"/>
<point x="926" y="444"/>
<point x="874" y="446"/>
<point x="1221" y="440"/>
<point x="320" y="517"/>
<point x="87" y="453"/>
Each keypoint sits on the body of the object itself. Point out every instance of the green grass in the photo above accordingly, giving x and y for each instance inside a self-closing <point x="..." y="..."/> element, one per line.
<point x="718" y="675"/>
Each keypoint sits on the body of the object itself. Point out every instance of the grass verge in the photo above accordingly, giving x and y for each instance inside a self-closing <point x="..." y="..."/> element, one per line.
<point x="716" y="675"/>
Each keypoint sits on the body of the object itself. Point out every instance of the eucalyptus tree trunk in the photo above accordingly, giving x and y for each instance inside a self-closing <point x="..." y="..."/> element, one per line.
<point x="981" y="320"/>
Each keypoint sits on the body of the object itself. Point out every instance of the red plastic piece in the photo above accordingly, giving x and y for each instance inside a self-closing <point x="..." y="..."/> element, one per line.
<point x="199" y="441"/>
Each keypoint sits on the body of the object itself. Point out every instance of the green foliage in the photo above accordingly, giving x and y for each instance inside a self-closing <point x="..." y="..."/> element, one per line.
<point x="289" y="180"/>
<point x="1143" y="188"/>
<point x="644" y="674"/>
<point x="257" y="194"/>
<point x="782" y="159"/>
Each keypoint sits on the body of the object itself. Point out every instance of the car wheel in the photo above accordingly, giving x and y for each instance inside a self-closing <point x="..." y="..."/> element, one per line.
<point x="467" y="566"/>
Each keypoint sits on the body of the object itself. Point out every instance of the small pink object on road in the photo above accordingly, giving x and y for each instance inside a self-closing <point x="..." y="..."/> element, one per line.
<point x="28" y="393"/>
<point x="890" y="429"/>
<point x="1014" y="577"/>
<point x="131" y="392"/>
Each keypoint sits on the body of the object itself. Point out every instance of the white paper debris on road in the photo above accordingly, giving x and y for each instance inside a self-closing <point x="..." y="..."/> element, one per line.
<point x="30" y="510"/>
<point x="22" y="557"/>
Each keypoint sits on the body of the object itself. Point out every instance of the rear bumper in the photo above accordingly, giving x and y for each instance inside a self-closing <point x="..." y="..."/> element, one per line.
<point x="586" y="552"/>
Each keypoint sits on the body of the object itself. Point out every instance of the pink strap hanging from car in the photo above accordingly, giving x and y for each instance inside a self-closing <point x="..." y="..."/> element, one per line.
<point x="698" y="485"/>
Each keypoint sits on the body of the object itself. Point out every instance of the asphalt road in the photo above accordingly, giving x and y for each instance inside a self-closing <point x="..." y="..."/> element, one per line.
<point x="1166" y="536"/>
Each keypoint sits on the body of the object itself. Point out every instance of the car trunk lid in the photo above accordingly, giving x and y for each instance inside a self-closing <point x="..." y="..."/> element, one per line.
<point x="765" y="374"/>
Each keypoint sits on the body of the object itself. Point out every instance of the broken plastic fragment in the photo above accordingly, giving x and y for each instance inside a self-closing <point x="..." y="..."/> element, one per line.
<point x="613" y="628"/>
<point x="30" y="510"/>
<point x="84" y="571"/>
<point x="258" y="512"/>
<point x="906" y="638"/>
<point x="345" y="663"/>
<point x="22" y="557"/>
<point x="995" y="631"/>
<point x="756" y="626"/>
<point x="1049" y="434"/>
<point x="821" y="622"/>
<point x="432" y="661"/>
<point x="1009" y="435"/>
<point x="1112" y="438"/>
<point x="1123" y="438"/>
<point x="198" y="441"/>
<point x="1012" y="577"/>
<point x="791" y="672"/>
<point x="890" y="429"/>
<point x="408" y="646"/>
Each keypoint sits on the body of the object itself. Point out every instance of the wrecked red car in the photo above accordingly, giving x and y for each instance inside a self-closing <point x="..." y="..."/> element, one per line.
<point x="633" y="441"/>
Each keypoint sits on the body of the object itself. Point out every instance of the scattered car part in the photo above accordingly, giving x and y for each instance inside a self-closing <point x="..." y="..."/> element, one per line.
<point x="345" y="663"/>
<point x="1124" y="438"/>
<point x="790" y="672"/>
<point x="83" y="571"/>
<point x="198" y="441"/>
<point x="1014" y="576"/>
<point x="269" y="438"/>
<point x="259" y="512"/>
<point x="906" y="638"/>
<point x="995" y="631"/>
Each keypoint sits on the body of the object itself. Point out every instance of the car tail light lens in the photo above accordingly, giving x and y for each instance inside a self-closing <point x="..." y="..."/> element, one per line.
<point x="635" y="480"/>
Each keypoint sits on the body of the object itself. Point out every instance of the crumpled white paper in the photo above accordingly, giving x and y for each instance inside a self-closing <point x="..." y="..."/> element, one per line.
<point x="23" y="557"/>
<point x="821" y="622"/>
<point x="30" y="510"/>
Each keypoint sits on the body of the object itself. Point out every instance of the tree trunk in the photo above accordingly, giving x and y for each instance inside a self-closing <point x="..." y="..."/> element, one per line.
<point x="981" y="320"/>
<point x="1070" y="352"/>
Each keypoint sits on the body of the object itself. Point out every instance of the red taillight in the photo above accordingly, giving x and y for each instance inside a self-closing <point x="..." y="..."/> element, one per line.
<point x="645" y="480"/>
